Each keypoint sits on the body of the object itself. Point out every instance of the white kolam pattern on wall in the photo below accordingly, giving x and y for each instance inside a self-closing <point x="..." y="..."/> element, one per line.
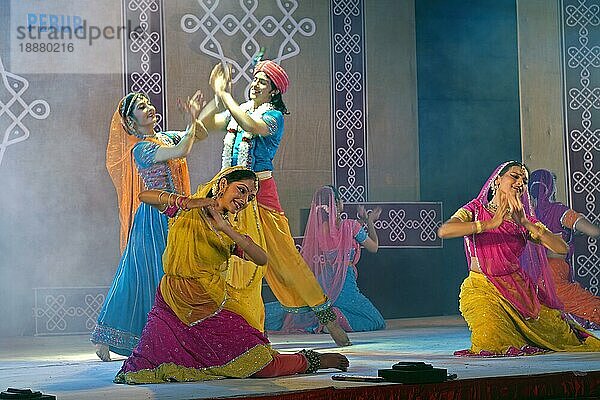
<point x="581" y="47"/>
<point x="16" y="106"/>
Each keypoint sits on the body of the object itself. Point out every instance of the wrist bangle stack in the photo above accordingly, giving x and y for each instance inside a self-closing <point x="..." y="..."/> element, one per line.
<point x="182" y="202"/>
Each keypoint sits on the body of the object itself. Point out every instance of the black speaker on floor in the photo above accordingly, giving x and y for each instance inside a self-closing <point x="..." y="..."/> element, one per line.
<point x="413" y="372"/>
<point x="25" y="394"/>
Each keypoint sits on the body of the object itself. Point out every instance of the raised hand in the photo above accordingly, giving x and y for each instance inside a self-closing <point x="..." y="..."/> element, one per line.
<point x="374" y="214"/>
<point x="217" y="221"/>
<point x="193" y="105"/>
<point x="196" y="104"/>
<point x="516" y="208"/>
<point x="220" y="78"/>
<point x="193" y="108"/>
<point x="362" y="214"/>
<point x="500" y="212"/>
<point x="183" y="106"/>
<point x="227" y="74"/>
<point x="217" y="69"/>
<point x="368" y="217"/>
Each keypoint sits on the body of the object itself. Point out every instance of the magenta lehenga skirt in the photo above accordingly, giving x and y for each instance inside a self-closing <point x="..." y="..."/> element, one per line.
<point x="221" y="346"/>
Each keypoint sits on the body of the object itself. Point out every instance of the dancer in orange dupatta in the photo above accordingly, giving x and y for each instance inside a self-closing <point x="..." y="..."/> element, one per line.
<point x="138" y="157"/>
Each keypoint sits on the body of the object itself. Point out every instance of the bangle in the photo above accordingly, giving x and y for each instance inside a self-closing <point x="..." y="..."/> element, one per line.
<point x="478" y="227"/>
<point x="540" y="231"/>
<point x="169" y="199"/>
<point x="179" y="201"/>
<point x="170" y="211"/>
<point x="160" y="197"/>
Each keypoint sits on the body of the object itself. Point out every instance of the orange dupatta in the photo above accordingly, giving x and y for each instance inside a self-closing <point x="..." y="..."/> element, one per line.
<point x="125" y="177"/>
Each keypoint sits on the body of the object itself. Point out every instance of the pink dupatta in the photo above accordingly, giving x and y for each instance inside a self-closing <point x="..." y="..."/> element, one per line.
<point x="328" y="243"/>
<point x="329" y="248"/>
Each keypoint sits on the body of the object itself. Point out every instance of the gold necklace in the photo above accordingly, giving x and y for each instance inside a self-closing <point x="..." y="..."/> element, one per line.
<point x="492" y="207"/>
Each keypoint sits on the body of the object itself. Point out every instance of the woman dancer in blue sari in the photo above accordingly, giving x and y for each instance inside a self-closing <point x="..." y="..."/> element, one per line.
<point x="331" y="247"/>
<point x="138" y="158"/>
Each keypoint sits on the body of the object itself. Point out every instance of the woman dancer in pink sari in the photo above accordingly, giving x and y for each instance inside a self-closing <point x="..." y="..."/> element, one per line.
<point x="508" y="299"/>
<point x="562" y="220"/>
<point x="331" y="247"/>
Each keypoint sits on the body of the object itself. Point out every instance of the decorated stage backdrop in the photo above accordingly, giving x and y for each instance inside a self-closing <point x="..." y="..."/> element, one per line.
<point x="353" y="123"/>
<point x="166" y="49"/>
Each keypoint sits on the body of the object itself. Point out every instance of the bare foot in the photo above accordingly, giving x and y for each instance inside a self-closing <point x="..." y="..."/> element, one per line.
<point x="102" y="352"/>
<point x="334" y="360"/>
<point x="338" y="334"/>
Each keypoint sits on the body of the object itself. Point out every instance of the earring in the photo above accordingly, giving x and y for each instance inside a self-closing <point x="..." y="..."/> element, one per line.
<point x="132" y="129"/>
<point x="218" y="189"/>
<point x="494" y="188"/>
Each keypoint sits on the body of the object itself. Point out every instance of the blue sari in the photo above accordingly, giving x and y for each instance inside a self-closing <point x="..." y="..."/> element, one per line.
<point x="133" y="289"/>
<point x="355" y="311"/>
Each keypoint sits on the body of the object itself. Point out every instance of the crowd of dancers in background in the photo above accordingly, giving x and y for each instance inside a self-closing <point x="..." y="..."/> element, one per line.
<point x="185" y="303"/>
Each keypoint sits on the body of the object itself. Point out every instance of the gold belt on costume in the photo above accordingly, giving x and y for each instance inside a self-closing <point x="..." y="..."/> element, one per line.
<point x="262" y="175"/>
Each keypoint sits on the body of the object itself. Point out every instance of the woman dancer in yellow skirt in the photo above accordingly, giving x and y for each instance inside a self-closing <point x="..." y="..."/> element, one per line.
<point x="508" y="299"/>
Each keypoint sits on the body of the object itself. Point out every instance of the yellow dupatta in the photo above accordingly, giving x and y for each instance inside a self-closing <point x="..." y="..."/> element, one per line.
<point x="195" y="264"/>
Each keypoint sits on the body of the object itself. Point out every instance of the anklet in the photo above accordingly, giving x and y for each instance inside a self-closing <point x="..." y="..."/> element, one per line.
<point x="314" y="360"/>
<point x="326" y="316"/>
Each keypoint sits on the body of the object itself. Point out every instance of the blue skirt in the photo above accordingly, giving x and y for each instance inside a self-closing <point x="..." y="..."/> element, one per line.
<point x="358" y="310"/>
<point x="131" y="294"/>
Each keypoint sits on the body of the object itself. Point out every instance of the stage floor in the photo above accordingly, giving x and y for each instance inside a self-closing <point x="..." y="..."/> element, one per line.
<point x="66" y="366"/>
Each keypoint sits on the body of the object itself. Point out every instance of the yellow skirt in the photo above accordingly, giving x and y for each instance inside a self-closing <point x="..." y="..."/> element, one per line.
<point x="496" y="326"/>
<point x="288" y="275"/>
